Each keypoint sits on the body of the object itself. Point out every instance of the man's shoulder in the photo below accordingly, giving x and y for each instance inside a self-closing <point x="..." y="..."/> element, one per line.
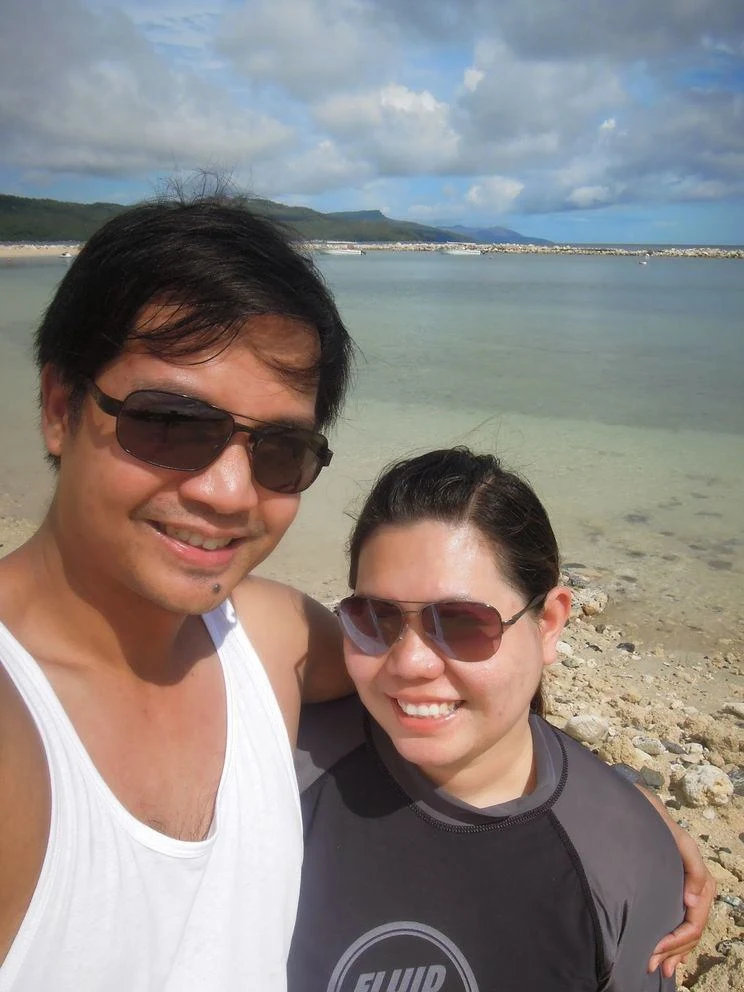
<point x="276" y="615"/>
<point x="298" y="641"/>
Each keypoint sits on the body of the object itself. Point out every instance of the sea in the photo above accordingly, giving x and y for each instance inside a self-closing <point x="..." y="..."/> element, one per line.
<point x="616" y="388"/>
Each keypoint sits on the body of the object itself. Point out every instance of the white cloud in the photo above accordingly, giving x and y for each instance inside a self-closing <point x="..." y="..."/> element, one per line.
<point x="472" y="78"/>
<point x="589" y="196"/>
<point x="321" y="168"/>
<point x="307" y="47"/>
<point x="398" y="130"/>
<point x="494" y="193"/>
<point x="107" y="103"/>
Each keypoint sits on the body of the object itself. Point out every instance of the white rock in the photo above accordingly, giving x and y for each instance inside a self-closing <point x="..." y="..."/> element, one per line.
<point x="588" y="728"/>
<point x="735" y="709"/>
<point x="564" y="648"/>
<point x="706" y="785"/>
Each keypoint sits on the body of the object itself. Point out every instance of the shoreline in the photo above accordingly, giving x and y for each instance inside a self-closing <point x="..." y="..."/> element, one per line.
<point x="26" y="251"/>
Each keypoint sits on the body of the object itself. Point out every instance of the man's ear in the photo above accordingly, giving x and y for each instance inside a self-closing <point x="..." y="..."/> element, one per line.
<point x="55" y="410"/>
<point x="553" y="619"/>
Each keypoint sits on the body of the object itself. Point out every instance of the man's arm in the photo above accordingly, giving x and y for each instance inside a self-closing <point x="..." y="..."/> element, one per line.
<point x="298" y="641"/>
<point x="24" y="811"/>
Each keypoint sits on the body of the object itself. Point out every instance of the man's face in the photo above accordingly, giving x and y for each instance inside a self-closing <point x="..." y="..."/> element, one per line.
<point x="127" y="527"/>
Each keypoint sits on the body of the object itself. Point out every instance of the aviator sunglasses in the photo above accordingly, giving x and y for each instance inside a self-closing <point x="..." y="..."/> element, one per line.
<point x="462" y="630"/>
<point x="182" y="433"/>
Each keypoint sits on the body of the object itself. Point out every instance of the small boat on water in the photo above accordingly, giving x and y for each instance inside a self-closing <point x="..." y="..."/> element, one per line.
<point x="461" y="251"/>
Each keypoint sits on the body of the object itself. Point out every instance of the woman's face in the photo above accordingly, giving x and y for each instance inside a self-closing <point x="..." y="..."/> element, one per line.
<point x="481" y="727"/>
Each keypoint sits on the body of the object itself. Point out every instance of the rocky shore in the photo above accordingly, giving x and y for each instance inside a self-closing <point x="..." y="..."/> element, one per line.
<point x="677" y="728"/>
<point x="641" y="254"/>
<point x="9" y="252"/>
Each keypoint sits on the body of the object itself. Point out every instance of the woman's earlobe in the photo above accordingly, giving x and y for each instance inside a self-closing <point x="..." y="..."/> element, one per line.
<point x="555" y="614"/>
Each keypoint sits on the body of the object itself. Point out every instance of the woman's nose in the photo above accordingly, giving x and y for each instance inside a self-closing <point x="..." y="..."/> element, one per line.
<point x="413" y="656"/>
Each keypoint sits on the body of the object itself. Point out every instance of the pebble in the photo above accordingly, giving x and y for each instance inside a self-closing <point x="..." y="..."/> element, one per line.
<point x="570" y="662"/>
<point x="737" y="777"/>
<point x="653" y="778"/>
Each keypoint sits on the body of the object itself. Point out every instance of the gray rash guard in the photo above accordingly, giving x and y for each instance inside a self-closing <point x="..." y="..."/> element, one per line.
<point x="406" y="889"/>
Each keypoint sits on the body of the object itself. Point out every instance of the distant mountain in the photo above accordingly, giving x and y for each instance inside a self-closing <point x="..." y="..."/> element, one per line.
<point x="495" y="236"/>
<point x="27" y="219"/>
<point x="350" y="225"/>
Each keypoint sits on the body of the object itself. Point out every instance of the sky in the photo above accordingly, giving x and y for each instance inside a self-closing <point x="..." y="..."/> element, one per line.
<point x="573" y="120"/>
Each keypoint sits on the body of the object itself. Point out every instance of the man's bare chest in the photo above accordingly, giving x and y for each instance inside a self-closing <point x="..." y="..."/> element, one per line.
<point x="159" y="749"/>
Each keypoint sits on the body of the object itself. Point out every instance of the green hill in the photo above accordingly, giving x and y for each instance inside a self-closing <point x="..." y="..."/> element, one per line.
<point x="26" y="219"/>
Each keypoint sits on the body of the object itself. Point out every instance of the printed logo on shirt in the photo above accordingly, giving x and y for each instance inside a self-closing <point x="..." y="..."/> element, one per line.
<point x="403" y="957"/>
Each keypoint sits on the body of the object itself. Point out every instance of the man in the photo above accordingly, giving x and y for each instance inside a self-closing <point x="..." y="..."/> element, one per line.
<point x="149" y="690"/>
<point x="151" y="831"/>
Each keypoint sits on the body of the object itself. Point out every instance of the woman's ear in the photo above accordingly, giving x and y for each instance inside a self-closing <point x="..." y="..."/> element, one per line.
<point x="55" y="403"/>
<point x="553" y="619"/>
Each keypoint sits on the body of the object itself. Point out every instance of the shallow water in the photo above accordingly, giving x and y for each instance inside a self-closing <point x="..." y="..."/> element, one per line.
<point x="615" y="388"/>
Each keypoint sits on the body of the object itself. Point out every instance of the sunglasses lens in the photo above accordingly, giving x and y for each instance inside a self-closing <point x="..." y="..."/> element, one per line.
<point x="287" y="461"/>
<point x="172" y="431"/>
<point x="464" y="631"/>
<point x="373" y="625"/>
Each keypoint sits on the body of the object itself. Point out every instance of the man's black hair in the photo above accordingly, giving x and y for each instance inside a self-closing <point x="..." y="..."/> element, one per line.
<point x="217" y="264"/>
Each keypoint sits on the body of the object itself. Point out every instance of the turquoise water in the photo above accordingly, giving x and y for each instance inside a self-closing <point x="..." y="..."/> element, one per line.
<point x="616" y="388"/>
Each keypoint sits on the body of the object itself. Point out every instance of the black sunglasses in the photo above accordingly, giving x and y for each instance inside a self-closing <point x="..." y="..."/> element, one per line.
<point x="182" y="433"/>
<point x="462" y="630"/>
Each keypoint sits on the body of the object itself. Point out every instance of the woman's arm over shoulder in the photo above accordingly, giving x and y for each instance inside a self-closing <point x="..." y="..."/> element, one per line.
<point x="298" y="641"/>
<point x="631" y="864"/>
<point x="699" y="893"/>
<point x="24" y="811"/>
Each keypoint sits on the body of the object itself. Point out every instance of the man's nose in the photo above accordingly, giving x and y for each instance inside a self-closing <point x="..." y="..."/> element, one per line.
<point x="226" y="485"/>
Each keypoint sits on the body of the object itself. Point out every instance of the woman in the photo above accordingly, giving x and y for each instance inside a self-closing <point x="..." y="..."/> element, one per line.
<point x="454" y="839"/>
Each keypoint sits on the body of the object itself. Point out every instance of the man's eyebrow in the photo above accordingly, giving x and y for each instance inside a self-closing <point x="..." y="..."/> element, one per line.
<point x="166" y="386"/>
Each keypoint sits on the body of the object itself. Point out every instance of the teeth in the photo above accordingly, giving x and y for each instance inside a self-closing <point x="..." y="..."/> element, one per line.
<point x="427" y="709"/>
<point x="197" y="540"/>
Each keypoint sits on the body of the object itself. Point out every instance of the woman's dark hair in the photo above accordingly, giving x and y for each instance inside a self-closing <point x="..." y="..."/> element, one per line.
<point x="456" y="486"/>
<point x="216" y="263"/>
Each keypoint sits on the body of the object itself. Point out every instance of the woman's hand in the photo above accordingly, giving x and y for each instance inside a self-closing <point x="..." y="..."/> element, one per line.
<point x="699" y="892"/>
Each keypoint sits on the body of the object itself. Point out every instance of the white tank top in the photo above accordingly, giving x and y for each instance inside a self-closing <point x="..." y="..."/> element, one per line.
<point x="122" y="908"/>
